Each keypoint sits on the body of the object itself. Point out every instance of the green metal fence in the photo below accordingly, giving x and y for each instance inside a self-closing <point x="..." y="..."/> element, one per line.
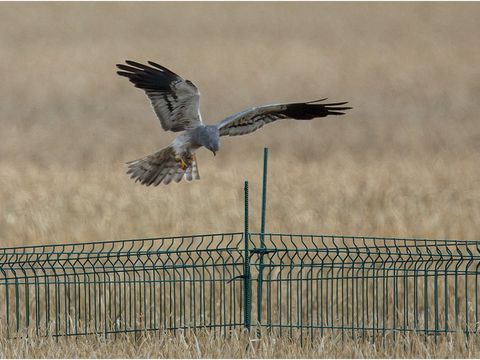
<point x="123" y="286"/>
<point x="286" y="284"/>
<point x="365" y="285"/>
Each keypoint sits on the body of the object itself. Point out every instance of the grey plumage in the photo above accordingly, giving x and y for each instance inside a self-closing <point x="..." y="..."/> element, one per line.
<point x="207" y="136"/>
<point x="176" y="102"/>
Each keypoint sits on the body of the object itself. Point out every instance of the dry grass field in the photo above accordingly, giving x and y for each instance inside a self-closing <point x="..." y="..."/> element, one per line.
<point x="238" y="346"/>
<point x="404" y="162"/>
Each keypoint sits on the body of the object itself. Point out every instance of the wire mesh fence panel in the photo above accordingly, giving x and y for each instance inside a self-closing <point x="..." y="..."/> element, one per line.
<point x="307" y="285"/>
<point x="123" y="286"/>
<point x="366" y="286"/>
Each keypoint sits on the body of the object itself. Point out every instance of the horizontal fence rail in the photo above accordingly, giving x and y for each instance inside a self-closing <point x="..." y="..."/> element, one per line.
<point x="286" y="283"/>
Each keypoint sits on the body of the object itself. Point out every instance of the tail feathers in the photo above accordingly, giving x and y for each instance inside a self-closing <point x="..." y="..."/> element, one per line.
<point x="161" y="167"/>
<point x="192" y="171"/>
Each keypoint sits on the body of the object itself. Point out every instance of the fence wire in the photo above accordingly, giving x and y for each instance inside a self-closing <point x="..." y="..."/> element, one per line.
<point x="367" y="286"/>
<point x="286" y="284"/>
<point x="123" y="286"/>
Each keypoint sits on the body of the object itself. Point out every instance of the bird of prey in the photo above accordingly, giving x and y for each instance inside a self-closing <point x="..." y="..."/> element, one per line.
<point x="176" y="103"/>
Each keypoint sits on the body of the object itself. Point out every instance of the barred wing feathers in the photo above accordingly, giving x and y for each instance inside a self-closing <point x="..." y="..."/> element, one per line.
<point x="249" y="120"/>
<point x="176" y="101"/>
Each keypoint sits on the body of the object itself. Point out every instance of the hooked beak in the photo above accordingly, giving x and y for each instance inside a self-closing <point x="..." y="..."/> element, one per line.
<point x="214" y="153"/>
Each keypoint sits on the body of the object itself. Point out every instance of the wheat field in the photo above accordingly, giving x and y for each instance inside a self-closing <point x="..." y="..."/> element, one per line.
<point x="403" y="162"/>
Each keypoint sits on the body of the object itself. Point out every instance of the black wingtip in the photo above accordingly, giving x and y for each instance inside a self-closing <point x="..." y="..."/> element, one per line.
<point x="334" y="109"/>
<point x="338" y="108"/>
<point x="136" y="64"/>
<point x="336" y="104"/>
<point x="329" y="104"/>
<point x="309" y="110"/>
<point x="161" y="67"/>
<point x="154" y="77"/>
<point x="336" y="113"/>
<point x="316" y="101"/>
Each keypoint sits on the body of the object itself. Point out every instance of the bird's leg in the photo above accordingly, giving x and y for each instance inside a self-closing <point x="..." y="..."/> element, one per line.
<point x="189" y="159"/>
<point x="183" y="164"/>
<point x="185" y="161"/>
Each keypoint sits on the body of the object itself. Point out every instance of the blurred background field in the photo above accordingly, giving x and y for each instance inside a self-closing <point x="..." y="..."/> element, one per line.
<point x="403" y="162"/>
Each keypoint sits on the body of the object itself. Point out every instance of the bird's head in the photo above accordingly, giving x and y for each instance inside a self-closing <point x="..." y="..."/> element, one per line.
<point x="213" y="146"/>
<point x="210" y="138"/>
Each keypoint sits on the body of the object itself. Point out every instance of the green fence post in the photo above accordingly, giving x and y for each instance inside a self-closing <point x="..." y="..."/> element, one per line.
<point x="262" y="238"/>
<point x="7" y="304"/>
<point x="246" y="267"/>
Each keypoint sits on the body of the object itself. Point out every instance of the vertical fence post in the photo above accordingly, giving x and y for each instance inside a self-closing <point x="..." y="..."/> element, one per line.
<point x="246" y="267"/>
<point x="264" y="195"/>
<point x="7" y="304"/>
<point x="262" y="238"/>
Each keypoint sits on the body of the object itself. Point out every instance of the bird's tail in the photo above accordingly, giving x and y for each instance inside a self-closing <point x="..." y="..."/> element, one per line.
<point x="163" y="166"/>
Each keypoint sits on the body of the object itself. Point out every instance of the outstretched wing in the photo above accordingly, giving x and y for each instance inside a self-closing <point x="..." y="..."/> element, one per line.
<point x="175" y="101"/>
<point x="249" y="120"/>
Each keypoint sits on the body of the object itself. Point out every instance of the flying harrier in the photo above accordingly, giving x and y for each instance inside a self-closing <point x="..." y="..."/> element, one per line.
<point x="176" y="103"/>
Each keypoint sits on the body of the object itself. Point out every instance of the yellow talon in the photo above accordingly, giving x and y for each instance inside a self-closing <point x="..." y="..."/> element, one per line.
<point x="183" y="164"/>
